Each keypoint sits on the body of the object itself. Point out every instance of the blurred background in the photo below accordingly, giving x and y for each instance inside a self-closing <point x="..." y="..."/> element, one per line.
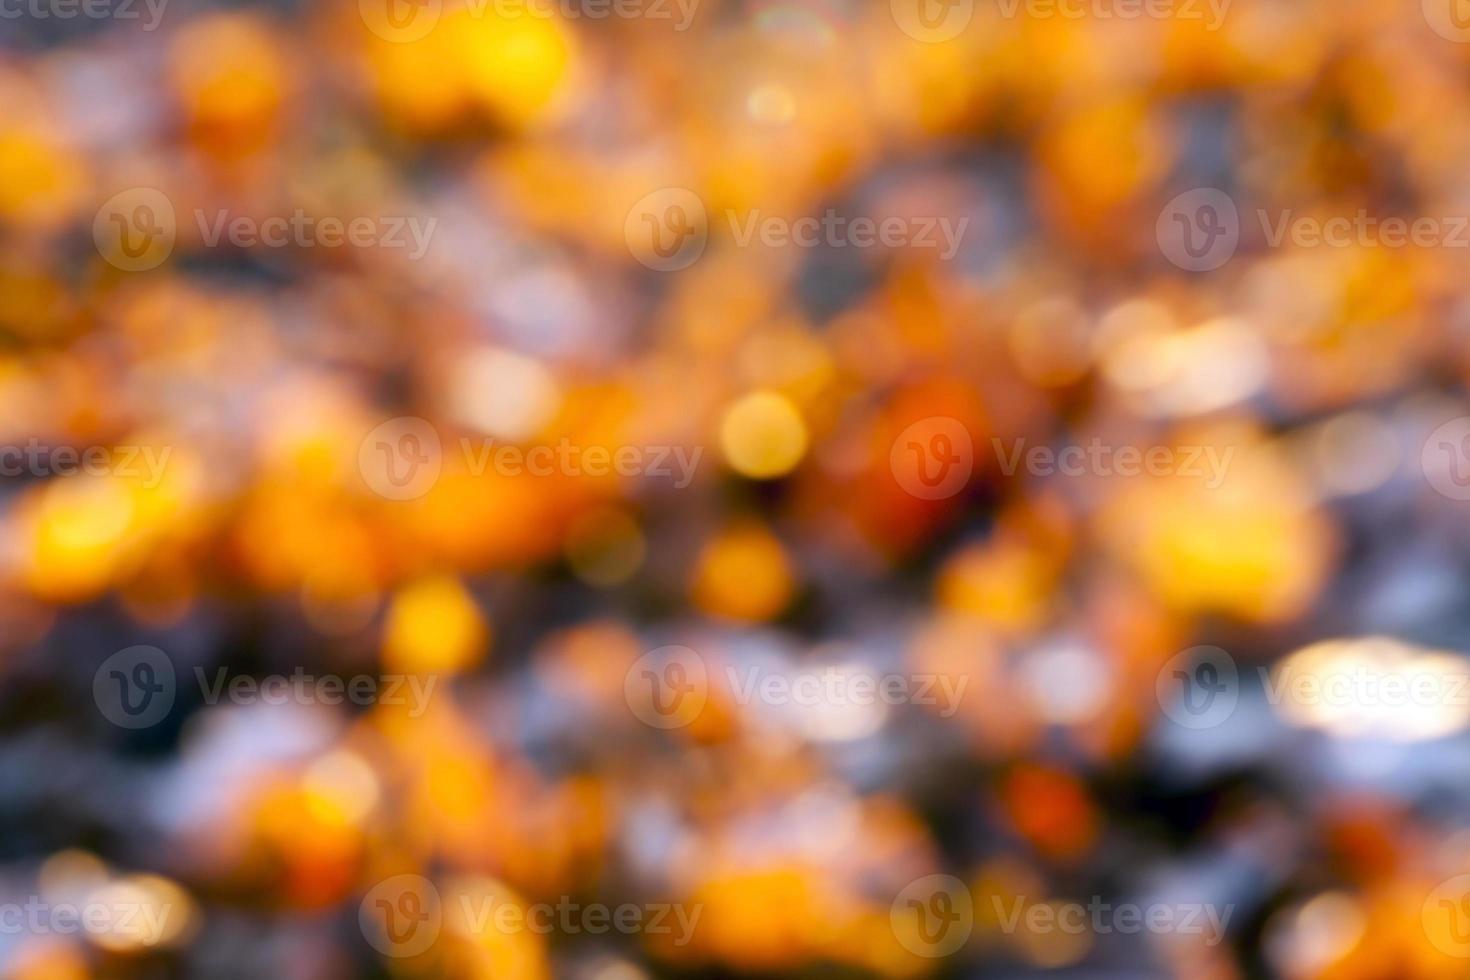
<point x="445" y="469"/>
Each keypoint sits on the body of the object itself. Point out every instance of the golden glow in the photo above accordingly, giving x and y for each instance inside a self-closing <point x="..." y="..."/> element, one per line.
<point x="763" y="435"/>
<point x="744" y="574"/>
<point x="434" y="626"/>
<point x="40" y="181"/>
<point x="340" y="786"/>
